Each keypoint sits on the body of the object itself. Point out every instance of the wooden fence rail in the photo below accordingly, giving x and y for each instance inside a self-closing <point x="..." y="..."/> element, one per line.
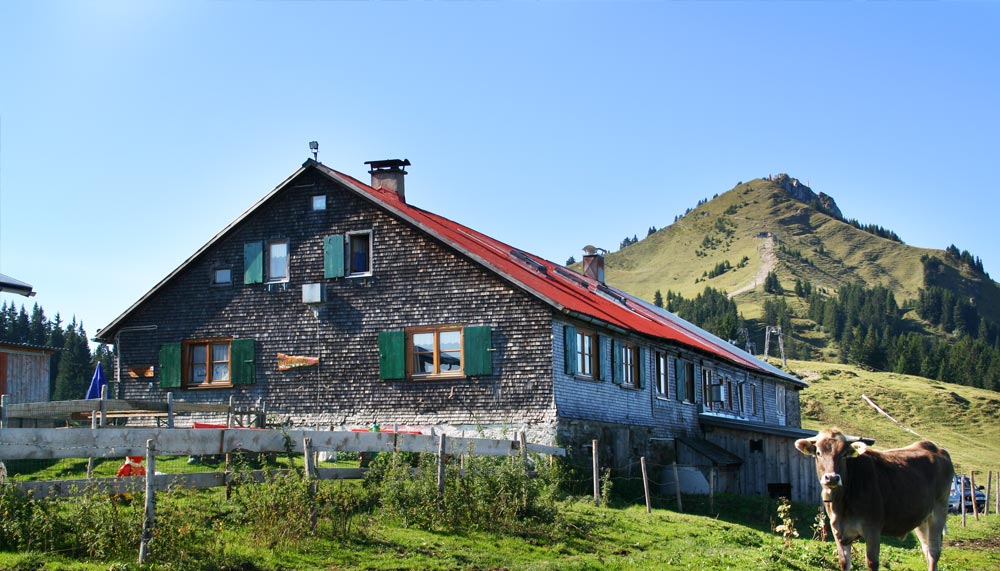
<point x="57" y="443"/>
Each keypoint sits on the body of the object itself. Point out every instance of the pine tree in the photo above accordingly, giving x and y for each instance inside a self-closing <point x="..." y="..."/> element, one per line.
<point x="658" y="299"/>
<point x="75" y="368"/>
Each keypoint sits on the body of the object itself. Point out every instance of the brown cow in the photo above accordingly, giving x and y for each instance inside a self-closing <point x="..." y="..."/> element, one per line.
<point x="870" y="492"/>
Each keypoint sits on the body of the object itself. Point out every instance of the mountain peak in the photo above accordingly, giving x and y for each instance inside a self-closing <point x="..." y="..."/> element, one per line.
<point x="795" y="189"/>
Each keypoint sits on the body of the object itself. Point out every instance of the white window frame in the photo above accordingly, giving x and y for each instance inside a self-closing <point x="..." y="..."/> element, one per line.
<point x="270" y="262"/>
<point x="349" y="253"/>
<point x="318" y="202"/>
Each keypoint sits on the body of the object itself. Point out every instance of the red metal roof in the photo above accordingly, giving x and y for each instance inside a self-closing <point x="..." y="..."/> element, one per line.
<point x="566" y="290"/>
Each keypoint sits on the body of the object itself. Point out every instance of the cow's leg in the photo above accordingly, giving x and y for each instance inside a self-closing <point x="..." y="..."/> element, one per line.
<point x="843" y="553"/>
<point x="929" y="533"/>
<point x="872" y="545"/>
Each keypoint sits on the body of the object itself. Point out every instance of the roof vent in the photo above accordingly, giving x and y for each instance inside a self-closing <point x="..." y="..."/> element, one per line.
<point x="388" y="174"/>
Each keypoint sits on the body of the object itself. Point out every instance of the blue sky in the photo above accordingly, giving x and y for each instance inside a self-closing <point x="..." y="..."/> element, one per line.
<point x="132" y="132"/>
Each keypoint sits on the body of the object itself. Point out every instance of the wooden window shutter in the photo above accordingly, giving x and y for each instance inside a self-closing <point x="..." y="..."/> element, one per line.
<point x="242" y="354"/>
<point x="392" y="355"/>
<point x="569" y="349"/>
<point x="617" y="366"/>
<point x="253" y="262"/>
<point x="602" y="358"/>
<point x="477" y="353"/>
<point x="170" y="366"/>
<point x="642" y="367"/>
<point x="679" y="379"/>
<point x="333" y="256"/>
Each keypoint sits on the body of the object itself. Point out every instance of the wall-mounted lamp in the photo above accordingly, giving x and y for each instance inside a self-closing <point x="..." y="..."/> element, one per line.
<point x="314" y="147"/>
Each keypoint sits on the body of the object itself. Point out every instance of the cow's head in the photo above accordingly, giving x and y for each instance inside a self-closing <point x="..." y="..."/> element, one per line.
<point x="831" y="448"/>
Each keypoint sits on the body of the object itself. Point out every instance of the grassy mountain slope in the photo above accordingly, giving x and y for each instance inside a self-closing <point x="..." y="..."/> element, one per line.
<point x="758" y="220"/>
<point x="962" y="419"/>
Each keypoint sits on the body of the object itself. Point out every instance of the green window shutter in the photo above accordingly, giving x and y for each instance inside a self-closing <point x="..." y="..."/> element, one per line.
<point x="477" y="353"/>
<point x="569" y="349"/>
<point x="602" y="357"/>
<point x="392" y="355"/>
<point x="642" y="367"/>
<point x="617" y="367"/>
<point x="253" y="262"/>
<point x="333" y="256"/>
<point x="679" y="379"/>
<point x="170" y="366"/>
<point x="242" y="353"/>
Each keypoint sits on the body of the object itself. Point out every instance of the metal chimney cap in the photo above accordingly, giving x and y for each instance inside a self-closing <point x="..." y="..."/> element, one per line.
<point x="393" y="164"/>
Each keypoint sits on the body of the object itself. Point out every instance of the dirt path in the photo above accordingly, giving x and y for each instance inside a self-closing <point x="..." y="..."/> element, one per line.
<point x="768" y="261"/>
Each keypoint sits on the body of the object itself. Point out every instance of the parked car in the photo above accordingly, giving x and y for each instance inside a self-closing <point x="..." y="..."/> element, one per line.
<point x="956" y="486"/>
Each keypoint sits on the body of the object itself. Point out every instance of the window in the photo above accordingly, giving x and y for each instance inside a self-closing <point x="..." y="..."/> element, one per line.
<point x="684" y="375"/>
<point x="707" y="378"/>
<point x="588" y="352"/>
<point x="430" y="352"/>
<point x="319" y="202"/>
<point x="753" y="400"/>
<point x="359" y="247"/>
<point x="630" y="366"/>
<point x="626" y="365"/>
<point x="435" y="351"/>
<point x="206" y="363"/>
<point x="662" y="374"/>
<point x="779" y="397"/>
<point x="222" y="276"/>
<point x="277" y="261"/>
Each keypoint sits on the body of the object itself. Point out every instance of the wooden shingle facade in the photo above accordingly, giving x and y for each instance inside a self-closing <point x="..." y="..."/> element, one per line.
<point x="339" y="304"/>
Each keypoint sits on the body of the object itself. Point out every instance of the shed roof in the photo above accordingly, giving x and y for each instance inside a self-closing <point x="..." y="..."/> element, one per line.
<point x="568" y="292"/>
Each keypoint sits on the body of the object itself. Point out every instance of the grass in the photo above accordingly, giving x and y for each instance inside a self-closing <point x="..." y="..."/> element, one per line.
<point x="585" y="537"/>
<point x="962" y="419"/>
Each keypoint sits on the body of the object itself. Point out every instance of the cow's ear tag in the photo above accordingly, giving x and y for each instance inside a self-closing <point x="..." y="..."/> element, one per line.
<point x="859" y="448"/>
<point x="806" y="446"/>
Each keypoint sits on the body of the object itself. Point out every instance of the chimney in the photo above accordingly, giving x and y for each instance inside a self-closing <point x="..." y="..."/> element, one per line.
<point x="593" y="263"/>
<point x="388" y="174"/>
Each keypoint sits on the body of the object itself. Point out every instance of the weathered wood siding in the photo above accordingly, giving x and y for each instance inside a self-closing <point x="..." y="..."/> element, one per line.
<point x="777" y="462"/>
<point x="415" y="281"/>
<point x="25" y="374"/>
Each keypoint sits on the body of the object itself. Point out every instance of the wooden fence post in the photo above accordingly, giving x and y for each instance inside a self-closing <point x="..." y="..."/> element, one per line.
<point x="961" y="497"/>
<point x="442" y="446"/>
<point x="989" y="488"/>
<point x="170" y="410"/>
<point x="645" y="484"/>
<point x="677" y="487"/>
<point x="711" y="489"/>
<point x="3" y="411"/>
<point x="90" y="460"/>
<point x="597" y="475"/>
<point x="104" y="406"/>
<point x="972" y="492"/>
<point x="523" y="443"/>
<point x="149" y="518"/>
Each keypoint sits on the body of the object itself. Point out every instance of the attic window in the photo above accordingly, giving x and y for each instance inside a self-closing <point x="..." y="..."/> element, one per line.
<point x="319" y="202"/>
<point x="222" y="276"/>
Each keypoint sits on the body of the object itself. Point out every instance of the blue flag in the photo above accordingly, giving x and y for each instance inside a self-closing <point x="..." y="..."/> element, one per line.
<point x="96" y="383"/>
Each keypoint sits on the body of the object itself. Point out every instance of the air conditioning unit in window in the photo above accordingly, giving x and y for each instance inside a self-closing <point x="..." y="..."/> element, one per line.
<point x="717" y="394"/>
<point x="313" y="294"/>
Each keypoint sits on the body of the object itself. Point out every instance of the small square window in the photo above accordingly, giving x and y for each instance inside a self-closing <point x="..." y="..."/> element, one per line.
<point x="222" y="276"/>
<point x="319" y="202"/>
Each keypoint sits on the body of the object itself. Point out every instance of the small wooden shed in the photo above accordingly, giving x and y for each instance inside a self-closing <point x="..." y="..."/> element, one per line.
<point x="25" y="372"/>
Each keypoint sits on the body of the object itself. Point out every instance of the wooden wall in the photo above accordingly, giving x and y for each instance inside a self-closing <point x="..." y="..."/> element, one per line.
<point x="25" y="374"/>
